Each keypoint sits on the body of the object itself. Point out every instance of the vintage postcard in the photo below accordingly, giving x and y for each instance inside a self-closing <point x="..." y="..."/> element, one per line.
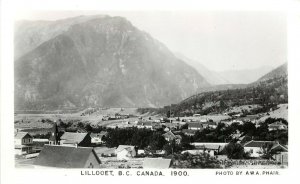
<point x="149" y="92"/>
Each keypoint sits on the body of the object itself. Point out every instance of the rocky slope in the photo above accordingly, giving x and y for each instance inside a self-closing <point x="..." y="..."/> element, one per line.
<point x="96" y="61"/>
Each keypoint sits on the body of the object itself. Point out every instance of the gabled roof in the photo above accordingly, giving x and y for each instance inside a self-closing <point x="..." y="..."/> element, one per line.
<point x="73" y="137"/>
<point x="279" y="146"/>
<point x="64" y="157"/>
<point x="169" y="135"/>
<point x="20" y="135"/>
<point x="157" y="163"/>
<point x="122" y="147"/>
<point x="257" y="144"/>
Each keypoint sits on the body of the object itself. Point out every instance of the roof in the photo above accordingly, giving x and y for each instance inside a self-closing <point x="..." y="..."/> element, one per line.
<point x="64" y="157"/>
<point x="122" y="147"/>
<point x="195" y="125"/>
<point x="100" y="135"/>
<point x="257" y="144"/>
<point x="157" y="163"/>
<point x="279" y="146"/>
<point x="20" y="135"/>
<point x="171" y="125"/>
<point x="73" y="137"/>
<point x="104" y="150"/>
<point x="188" y="131"/>
<point x="169" y="135"/>
<point x="209" y="145"/>
<point x="277" y="123"/>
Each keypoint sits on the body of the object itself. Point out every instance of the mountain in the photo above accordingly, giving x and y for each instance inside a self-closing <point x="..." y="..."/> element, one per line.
<point x="211" y="76"/>
<point x="96" y="61"/>
<point x="281" y="71"/>
<point x="267" y="92"/>
<point x="244" y="76"/>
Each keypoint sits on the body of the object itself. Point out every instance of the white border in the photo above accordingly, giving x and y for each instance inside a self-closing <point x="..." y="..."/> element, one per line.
<point x="8" y="8"/>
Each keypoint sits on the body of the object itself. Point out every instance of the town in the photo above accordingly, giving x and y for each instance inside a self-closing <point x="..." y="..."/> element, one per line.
<point x="115" y="138"/>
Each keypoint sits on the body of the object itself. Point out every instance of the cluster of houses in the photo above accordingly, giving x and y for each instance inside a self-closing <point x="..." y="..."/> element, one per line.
<point x="85" y="150"/>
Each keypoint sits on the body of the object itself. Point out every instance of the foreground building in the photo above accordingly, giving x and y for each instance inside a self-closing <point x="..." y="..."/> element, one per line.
<point x="54" y="156"/>
<point x="23" y="143"/>
<point x="125" y="152"/>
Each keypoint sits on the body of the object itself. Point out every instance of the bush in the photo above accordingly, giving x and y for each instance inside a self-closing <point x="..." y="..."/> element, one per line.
<point x="234" y="151"/>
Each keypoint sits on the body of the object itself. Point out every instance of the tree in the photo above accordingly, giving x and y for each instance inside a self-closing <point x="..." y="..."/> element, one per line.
<point x="234" y="151"/>
<point x="157" y="142"/>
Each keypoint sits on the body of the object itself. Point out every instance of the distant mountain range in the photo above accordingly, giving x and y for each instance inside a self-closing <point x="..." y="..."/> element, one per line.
<point x="96" y="61"/>
<point x="231" y="77"/>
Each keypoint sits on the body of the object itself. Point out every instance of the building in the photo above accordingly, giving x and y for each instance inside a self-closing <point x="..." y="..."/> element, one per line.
<point x="55" y="156"/>
<point x="209" y="124"/>
<point x="23" y="143"/>
<point x="156" y="163"/>
<point x="105" y="151"/>
<point x="189" y="132"/>
<point x="125" y="152"/>
<point x="211" y="148"/>
<point x="54" y="138"/>
<point x="169" y="136"/>
<point x="97" y="138"/>
<point x="195" y="126"/>
<point x="75" y="139"/>
<point x="278" y="125"/>
<point x="256" y="148"/>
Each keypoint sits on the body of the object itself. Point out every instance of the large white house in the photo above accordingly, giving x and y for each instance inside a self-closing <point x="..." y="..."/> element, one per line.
<point x="23" y="143"/>
<point x="256" y="148"/>
<point x="125" y="152"/>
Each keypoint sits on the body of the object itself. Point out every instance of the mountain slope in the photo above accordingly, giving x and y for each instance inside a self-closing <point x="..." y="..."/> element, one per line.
<point x="102" y="61"/>
<point x="212" y="77"/>
<point x="244" y="76"/>
<point x="280" y="71"/>
<point x="267" y="92"/>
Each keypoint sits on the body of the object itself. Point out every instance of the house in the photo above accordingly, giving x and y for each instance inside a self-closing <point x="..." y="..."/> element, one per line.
<point x="75" y="139"/>
<point x="195" y="126"/>
<point x="23" y="143"/>
<point x="156" y="163"/>
<point x="209" y="124"/>
<point x="199" y="152"/>
<point x="172" y="126"/>
<point x="256" y="148"/>
<point x="145" y="124"/>
<point x="278" y="125"/>
<point x="125" y="152"/>
<point x="211" y="148"/>
<point x="55" y="156"/>
<point x="189" y="132"/>
<point x="97" y="138"/>
<point x="169" y="136"/>
<point x="105" y="151"/>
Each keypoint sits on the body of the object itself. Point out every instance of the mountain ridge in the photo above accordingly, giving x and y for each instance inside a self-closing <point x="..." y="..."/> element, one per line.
<point x="100" y="62"/>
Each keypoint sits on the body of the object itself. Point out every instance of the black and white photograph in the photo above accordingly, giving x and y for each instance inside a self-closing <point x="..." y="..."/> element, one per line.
<point x="151" y="90"/>
<point x="148" y="92"/>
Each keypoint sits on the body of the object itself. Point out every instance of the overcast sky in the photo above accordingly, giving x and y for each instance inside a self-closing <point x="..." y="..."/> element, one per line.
<point x="220" y="40"/>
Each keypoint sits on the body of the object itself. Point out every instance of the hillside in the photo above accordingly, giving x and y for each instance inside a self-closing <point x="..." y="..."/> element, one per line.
<point x="97" y="61"/>
<point x="267" y="92"/>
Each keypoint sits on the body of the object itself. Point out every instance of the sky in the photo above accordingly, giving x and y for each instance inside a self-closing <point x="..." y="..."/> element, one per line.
<point x="220" y="40"/>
